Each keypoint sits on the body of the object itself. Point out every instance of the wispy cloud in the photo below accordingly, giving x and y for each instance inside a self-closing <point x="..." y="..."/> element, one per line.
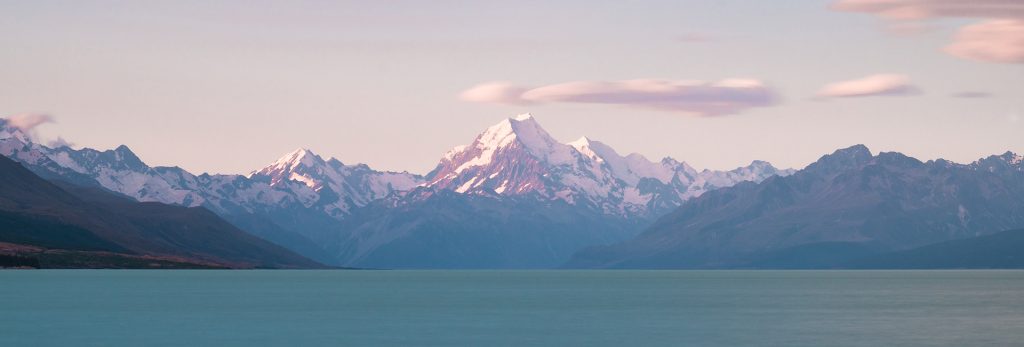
<point x="697" y="98"/>
<point x="498" y="92"/>
<point x="1000" y="41"/>
<point x="27" y="121"/>
<point x="920" y="9"/>
<point x="874" y="85"/>
<point x="997" y="39"/>
<point x="59" y="142"/>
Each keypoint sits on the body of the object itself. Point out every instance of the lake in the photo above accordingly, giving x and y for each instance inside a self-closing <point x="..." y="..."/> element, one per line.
<point x="510" y="308"/>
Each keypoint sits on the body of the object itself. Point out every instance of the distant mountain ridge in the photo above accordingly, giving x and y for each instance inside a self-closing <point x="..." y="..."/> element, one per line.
<point x="292" y="212"/>
<point x="517" y="157"/>
<point x="348" y="185"/>
<point x="517" y="198"/>
<point x="300" y="177"/>
<point x="307" y="203"/>
<point x="1001" y="250"/>
<point x="72" y="226"/>
<point x="886" y="202"/>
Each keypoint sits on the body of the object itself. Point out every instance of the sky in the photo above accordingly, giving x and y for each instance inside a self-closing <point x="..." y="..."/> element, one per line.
<point x="230" y="86"/>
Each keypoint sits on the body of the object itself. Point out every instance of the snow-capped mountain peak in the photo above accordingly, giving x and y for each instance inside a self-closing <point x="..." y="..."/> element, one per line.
<point x="630" y="168"/>
<point x="519" y="132"/>
<point x="523" y="117"/>
<point x="517" y="156"/>
<point x="525" y="131"/>
<point x="1006" y="161"/>
<point x="7" y="131"/>
<point x="586" y="147"/>
<point x="298" y="180"/>
<point x="286" y="167"/>
<point x="514" y="156"/>
<point x="300" y="156"/>
<point x="339" y="186"/>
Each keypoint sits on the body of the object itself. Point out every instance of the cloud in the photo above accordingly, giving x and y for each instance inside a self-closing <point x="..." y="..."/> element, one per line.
<point x="495" y="92"/>
<point x="697" y="98"/>
<point x="874" y="85"/>
<point x="27" y="121"/>
<point x="1000" y="41"/>
<point x="59" y="142"/>
<point x="921" y="9"/>
<point x="971" y="95"/>
<point x="999" y="38"/>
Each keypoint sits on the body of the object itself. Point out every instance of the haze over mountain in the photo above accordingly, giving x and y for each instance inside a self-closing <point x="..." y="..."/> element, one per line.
<point x="495" y="190"/>
<point x="849" y="201"/>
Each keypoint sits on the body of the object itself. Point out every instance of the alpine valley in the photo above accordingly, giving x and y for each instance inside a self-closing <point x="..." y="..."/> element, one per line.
<point x="515" y="197"/>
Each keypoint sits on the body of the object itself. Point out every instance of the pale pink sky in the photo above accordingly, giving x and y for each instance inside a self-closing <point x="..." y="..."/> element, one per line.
<point x="229" y="86"/>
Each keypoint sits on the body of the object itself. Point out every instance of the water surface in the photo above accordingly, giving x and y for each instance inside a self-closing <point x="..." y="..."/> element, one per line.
<point x="512" y="308"/>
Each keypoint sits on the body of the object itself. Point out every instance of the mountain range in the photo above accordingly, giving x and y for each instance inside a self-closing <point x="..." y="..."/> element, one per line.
<point x="847" y="205"/>
<point x="514" y="197"/>
<point x="517" y="198"/>
<point x="57" y="224"/>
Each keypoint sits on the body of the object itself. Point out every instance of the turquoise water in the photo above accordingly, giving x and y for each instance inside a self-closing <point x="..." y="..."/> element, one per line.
<point x="512" y="308"/>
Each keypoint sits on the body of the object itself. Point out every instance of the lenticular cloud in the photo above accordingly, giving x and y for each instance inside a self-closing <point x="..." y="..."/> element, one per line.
<point x="880" y="84"/>
<point x="998" y="38"/>
<point x="495" y="92"/>
<point x="697" y="98"/>
<point x="1000" y="41"/>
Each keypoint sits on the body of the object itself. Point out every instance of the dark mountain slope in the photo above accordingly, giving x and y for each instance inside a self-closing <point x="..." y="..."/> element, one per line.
<point x="1004" y="250"/>
<point x="820" y="255"/>
<point x="445" y="229"/>
<point x="38" y="214"/>
<point x="889" y="201"/>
